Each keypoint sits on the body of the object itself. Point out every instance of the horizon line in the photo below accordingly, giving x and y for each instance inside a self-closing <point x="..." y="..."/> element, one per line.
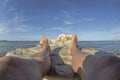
<point x="48" y="39"/>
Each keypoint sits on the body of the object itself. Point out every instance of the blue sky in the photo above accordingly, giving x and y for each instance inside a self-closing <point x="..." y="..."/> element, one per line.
<point x="30" y="19"/>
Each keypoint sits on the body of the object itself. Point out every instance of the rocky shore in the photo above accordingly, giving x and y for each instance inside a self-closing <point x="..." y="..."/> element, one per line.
<point x="61" y="60"/>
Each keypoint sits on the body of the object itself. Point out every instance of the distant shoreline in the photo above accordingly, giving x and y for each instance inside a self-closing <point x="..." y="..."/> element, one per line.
<point x="12" y="41"/>
<point x="3" y="40"/>
<point x="78" y="41"/>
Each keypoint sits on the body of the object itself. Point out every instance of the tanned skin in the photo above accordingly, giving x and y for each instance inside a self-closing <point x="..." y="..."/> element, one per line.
<point x="94" y="67"/>
<point x="13" y="68"/>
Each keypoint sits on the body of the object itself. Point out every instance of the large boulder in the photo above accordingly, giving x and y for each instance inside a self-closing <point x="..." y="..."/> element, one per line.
<point x="62" y="40"/>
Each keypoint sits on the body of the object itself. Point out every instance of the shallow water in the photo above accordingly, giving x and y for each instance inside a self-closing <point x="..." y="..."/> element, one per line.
<point x="12" y="45"/>
<point x="109" y="46"/>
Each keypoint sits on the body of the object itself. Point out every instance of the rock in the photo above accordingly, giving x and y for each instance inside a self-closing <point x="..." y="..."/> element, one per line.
<point x="118" y="55"/>
<point x="64" y="39"/>
<point x="23" y="52"/>
<point x="61" y="40"/>
<point x="63" y="53"/>
<point x="55" y="77"/>
<point x="59" y="65"/>
<point x="53" y="41"/>
<point x="89" y="50"/>
<point x="20" y="52"/>
<point x="64" y="71"/>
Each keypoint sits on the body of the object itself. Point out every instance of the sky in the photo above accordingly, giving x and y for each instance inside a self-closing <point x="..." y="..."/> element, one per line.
<point x="30" y="19"/>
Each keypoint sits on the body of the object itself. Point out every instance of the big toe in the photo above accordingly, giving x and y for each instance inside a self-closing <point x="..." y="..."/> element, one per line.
<point x="74" y="39"/>
<point x="44" y="40"/>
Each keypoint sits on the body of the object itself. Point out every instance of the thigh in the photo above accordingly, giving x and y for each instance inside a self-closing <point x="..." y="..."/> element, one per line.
<point x="110" y="73"/>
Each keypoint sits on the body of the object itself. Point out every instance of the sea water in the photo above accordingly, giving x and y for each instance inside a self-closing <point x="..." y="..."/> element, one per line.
<point x="108" y="46"/>
<point x="12" y="45"/>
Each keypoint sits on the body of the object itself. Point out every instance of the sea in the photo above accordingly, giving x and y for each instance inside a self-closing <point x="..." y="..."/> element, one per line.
<point x="108" y="46"/>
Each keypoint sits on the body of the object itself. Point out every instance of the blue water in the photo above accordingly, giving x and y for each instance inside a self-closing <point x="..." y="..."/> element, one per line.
<point x="12" y="45"/>
<point x="108" y="46"/>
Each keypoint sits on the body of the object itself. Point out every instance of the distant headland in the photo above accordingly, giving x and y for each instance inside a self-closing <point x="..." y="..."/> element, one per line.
<point x="3" y="40"/>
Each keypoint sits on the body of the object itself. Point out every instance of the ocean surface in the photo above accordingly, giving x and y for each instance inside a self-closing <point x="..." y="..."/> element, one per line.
<point x="108" y="46"/>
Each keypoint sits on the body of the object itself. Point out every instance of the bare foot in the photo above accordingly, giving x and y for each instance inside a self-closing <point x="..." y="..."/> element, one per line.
<point x="74" y="40"/>
<point x="44" y="41"/>
<point x="73" y="47"/>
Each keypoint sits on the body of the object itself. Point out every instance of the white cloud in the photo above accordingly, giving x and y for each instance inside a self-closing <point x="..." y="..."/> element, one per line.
<point x="115" y="37"/>
<point x="68" y="22"/>
<point x="65" y="29"/>
<point x="13" y="23"/>
<point x="56" y="18"/>
<point x="116" y="29"/>
<point x="3" y="28"/>
<point x="115" y="33"/>
<point x="70" y="17"/>
<point x="23" y="28"/>
<point x="88" y="19"/>
<point x="93" y="35"/>
<point x="110" y="34"/>
<point x="57" y="28"/>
